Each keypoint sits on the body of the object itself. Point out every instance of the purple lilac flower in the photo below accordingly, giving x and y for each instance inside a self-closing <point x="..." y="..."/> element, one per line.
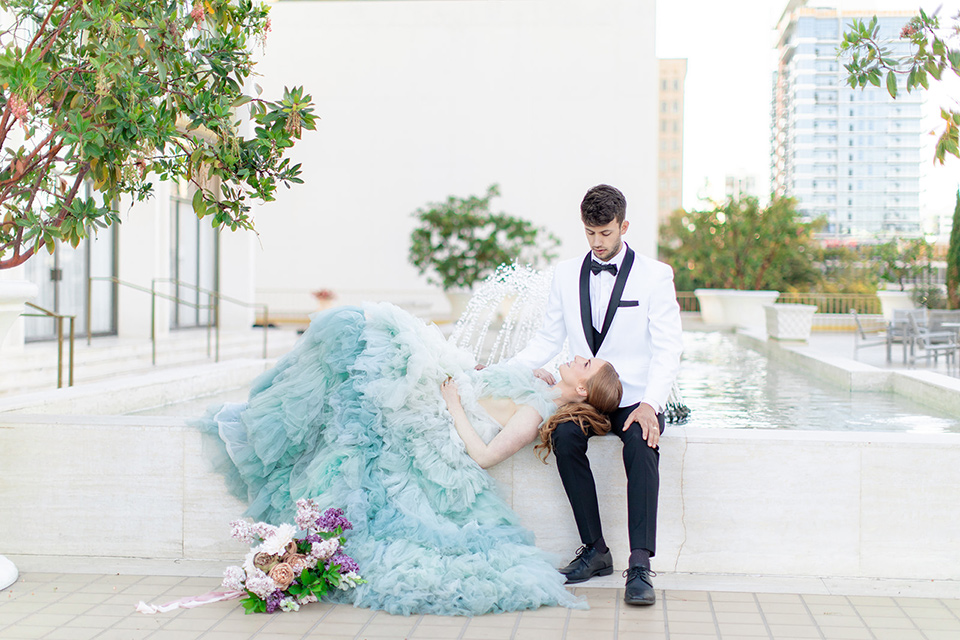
<point x="274" y="600"/>
<point x="347" y="564"/>
<point x="331" y="519"/>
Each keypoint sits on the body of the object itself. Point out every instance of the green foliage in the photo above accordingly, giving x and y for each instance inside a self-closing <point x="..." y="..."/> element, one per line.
<point x="739" y="246"/>
<point x="899" y="260"/>
<point x="460" y="242"/>
<point x="872" y="62"/>
<point x="845" y="270"/>
<point x="953" y="260"/>
<point x="115" y="93"/>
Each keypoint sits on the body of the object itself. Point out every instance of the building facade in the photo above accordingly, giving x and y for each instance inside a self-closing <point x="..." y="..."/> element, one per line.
<point x="850" y="156"/>
<point x="673" y="72"/>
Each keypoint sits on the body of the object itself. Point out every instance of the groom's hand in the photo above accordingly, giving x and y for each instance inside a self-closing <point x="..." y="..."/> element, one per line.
<point x="544" y="375"/>
<point x="645" y="416"/>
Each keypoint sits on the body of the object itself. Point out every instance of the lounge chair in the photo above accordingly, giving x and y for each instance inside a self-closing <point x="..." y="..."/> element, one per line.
<point x="873" y="337"/>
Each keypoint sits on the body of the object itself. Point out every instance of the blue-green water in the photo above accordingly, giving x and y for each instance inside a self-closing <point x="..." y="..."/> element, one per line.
<point x="728" y="385"/>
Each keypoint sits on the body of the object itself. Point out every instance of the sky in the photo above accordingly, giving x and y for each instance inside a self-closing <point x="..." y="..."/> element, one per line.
<point x="730" y="62"/>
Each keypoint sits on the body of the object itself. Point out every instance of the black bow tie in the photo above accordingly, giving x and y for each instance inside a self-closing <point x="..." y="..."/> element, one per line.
<point x="596" y="267"/>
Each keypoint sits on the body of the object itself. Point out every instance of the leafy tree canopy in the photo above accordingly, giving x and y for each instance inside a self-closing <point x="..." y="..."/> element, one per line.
<point x="116" y="93"/>
<point x="738" y="245"/>
<point x="934" y="53"/>
<point x="460" y="241"/>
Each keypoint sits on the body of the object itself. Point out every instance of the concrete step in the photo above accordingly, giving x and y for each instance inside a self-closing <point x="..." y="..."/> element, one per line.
<point x="138" y="392"/>
<point x="35" y="368"/>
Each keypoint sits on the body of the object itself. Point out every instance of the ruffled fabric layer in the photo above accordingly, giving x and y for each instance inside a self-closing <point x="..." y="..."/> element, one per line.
<point x="353" y="418"/>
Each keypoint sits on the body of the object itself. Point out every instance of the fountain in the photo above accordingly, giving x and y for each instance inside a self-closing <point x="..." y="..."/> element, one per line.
<point x="505" y="312"/>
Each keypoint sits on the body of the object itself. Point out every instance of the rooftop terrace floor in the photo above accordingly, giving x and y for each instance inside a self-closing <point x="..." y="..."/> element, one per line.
<point x="101" y="606"/>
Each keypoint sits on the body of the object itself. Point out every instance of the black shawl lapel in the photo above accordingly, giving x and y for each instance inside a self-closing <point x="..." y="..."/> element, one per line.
<point x="615" y="297"/>
<point x="586" y="313"/>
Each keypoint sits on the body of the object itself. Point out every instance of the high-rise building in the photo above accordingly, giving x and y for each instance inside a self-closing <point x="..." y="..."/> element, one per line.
<point x="673" y="71"/>
<point x="849" y="155"/>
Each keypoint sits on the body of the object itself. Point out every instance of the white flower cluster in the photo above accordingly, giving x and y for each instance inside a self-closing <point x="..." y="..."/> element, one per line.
<point x="349" y="580"/>
<point x="307" y="514"/>
<point x="289" y="604"/>
<point x="323" y="550"/>
<point x="260" y="583"/>
<point x="233" y="578"/>
<point x="277" y="538"/>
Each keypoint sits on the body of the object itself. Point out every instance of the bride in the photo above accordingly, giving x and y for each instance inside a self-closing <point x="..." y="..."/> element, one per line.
<point x="376" y="413"/>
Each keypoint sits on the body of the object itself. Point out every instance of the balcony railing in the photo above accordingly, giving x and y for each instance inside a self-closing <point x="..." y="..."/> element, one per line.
<point x="833" y="309"/>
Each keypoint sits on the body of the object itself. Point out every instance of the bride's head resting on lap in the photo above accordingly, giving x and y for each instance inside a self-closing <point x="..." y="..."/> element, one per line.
<point x="589" y="389"/>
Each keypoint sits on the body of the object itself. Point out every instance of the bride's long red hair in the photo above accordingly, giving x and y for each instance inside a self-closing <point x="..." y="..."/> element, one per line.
<point x="603" y="396"/>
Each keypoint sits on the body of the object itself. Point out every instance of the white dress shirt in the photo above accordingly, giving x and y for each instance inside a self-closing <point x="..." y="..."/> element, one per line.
<point x="601" y="287"/>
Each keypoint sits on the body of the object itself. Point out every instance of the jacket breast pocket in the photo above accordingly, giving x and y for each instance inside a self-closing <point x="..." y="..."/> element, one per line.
<point x="628" y="303"/>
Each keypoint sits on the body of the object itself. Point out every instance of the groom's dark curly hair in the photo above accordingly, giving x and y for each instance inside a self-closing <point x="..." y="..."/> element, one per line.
<point x="602" y="205"/>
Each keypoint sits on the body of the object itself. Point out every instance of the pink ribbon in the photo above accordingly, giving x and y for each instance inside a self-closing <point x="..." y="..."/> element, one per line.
<point x="190" y="601"/>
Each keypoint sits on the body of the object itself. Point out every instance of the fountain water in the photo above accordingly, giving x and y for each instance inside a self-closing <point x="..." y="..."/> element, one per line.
<point x="504" y="314"/>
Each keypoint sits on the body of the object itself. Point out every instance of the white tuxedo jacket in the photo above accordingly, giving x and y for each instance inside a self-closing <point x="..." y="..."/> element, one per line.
<point x="642" y="336"/>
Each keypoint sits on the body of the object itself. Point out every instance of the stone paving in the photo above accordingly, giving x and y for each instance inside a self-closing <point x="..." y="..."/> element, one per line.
<point x="101" y="607"/>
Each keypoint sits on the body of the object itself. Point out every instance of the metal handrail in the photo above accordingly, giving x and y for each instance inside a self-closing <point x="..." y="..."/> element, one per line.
<point x="46" y="313"/>
<point x="154" y="294"/>
<point x="217" y="297"/>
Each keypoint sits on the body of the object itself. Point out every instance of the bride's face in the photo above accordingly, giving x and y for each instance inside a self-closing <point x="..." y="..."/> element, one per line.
<point x="579" y="370"/>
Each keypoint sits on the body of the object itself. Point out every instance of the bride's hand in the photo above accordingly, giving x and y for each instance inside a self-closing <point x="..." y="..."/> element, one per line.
<point x="544" y="375"/>
<point x="450" y="391"/>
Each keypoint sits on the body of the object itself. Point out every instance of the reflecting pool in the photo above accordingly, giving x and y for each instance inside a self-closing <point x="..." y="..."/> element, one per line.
<point x="728" y="385"/>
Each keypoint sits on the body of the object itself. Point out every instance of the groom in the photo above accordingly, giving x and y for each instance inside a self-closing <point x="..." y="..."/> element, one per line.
<point x="621" y="307"/>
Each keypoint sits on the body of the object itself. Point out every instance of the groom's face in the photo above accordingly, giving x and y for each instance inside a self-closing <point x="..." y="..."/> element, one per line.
<point x="605" y="241"/>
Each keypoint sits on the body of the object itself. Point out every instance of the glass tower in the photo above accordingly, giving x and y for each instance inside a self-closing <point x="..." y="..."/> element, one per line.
<point x="851" y="156"/>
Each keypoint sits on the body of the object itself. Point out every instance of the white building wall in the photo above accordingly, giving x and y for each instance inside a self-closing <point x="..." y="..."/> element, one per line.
<point x="421" y="100"/>
<point x="143" y="253"/>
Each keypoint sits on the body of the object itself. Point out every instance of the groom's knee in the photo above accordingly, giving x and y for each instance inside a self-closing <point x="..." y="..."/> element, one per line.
<point x="569" y="439"/>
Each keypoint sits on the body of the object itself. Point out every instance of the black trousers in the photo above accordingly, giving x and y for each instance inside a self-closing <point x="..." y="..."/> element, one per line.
<point x="642" y="464"/>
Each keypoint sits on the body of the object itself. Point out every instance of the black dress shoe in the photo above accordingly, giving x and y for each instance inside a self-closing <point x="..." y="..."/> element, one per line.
<point x="639" y="589"/>
<point x="588" y="563"/>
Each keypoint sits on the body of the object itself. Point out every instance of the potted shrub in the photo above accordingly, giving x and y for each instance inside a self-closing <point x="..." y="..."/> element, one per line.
<point x="460" y="242"/>
<point x="898" y="261"/>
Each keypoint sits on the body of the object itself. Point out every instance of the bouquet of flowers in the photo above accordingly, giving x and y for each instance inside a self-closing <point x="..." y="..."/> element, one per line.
<point x="283" y="571"/>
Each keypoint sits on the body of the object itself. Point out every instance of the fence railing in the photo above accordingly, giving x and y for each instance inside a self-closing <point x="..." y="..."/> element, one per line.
<point x="828" y="304"/>
<point x="213" y="301"/>
<point x="835" y="303"/>
<point x="58" y="318"/>
<point x="688" y="302"/>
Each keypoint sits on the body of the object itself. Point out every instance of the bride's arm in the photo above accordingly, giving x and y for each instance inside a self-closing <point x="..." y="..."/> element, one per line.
<point x="521" y="429"/>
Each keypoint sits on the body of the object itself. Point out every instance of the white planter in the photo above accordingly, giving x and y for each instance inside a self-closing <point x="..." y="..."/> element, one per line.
<point x="8" y="573"/>
<point x="894" y="300"/>
<point x="742" y="309"/>
<point x="13" y="293"/>
<point x="790" y="321"/>
<point x="711" y="307"/>
<point x="458" y="303"/>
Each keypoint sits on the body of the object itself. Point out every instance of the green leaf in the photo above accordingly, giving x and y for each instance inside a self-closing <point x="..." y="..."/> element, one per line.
<point x="892" y="83"/>
<point x="199" y="205"/>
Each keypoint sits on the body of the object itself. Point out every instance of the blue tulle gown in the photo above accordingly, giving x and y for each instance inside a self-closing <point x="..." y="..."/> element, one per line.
<point x="353" y="417"/>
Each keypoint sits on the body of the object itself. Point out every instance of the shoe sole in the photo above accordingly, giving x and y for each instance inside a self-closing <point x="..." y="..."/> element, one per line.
<point x="602" y="572"/>
<point x="641" y="603"/>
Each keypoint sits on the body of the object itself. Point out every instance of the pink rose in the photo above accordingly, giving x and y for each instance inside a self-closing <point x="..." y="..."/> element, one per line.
<point x="297" y="561"/>
<point x="282" y="574"/>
